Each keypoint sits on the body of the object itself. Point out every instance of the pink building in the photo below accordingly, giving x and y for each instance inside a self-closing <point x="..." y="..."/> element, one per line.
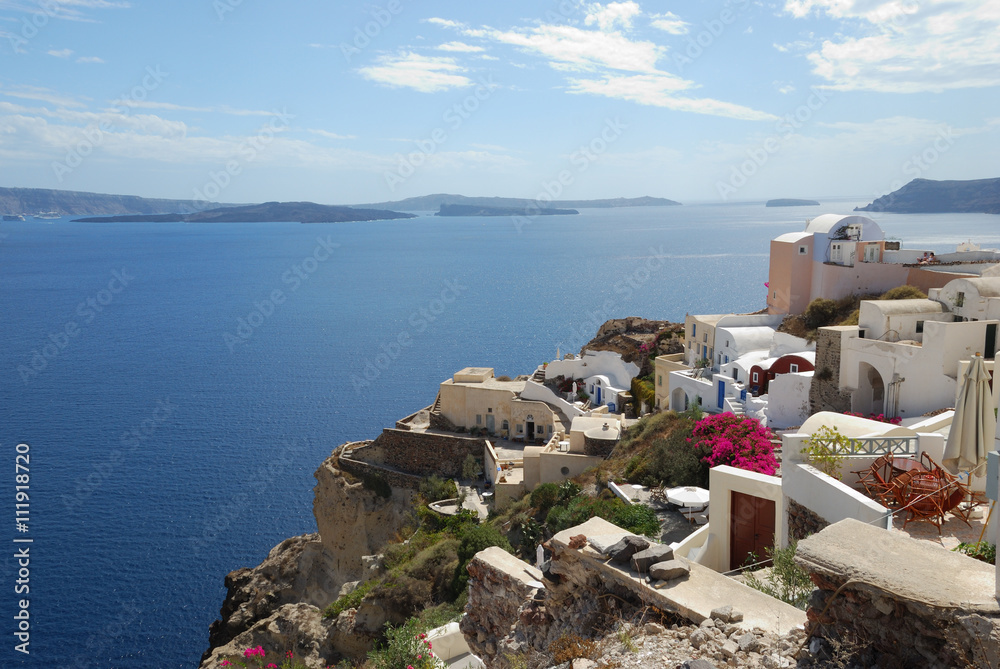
<point x="837" y="256"/>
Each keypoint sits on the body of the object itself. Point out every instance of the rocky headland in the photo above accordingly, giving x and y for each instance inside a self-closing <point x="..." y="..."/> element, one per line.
<point x="280" y="602"/>
<point x="269" y="212"/>
<point x="924" y="196"/>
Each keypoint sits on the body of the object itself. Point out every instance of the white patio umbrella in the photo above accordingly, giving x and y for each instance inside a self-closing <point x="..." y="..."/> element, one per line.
<point x="974" y="424"/>
<point x="688" y="496"/>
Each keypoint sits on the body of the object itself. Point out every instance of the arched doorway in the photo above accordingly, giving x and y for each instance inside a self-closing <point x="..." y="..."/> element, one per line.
<point x="869" y="398"/>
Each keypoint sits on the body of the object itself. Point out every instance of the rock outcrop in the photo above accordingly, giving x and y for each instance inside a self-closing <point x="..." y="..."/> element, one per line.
<point x="279" y="603"/>
<point x="924" y="196"/>
<point x="629" y="336"/>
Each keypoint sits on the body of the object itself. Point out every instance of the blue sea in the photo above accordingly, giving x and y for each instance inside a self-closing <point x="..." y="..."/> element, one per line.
<point x="177" y="385"/>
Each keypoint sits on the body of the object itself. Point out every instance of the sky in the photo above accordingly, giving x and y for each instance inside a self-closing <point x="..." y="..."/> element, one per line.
<point x="358" y="102"/>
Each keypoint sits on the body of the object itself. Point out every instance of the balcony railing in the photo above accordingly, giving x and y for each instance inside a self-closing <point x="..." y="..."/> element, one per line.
<point x="876" y="446"/>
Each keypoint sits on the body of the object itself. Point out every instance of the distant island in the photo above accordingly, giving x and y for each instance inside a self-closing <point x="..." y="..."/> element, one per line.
<point x="790" y="202"/>
<point x="471" y="210"/>
<point x="434" y="203"/>
<point x="924" y="196"/>
<point x="269" y="212"/>
<point x="27" y="201"/>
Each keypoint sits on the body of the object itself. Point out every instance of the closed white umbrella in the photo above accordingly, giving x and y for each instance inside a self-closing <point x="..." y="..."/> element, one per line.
<point x="974" y="424"/>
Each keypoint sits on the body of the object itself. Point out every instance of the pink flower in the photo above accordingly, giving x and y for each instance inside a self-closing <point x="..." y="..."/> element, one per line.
<point x="271" y="665"/>
<point x="226" y="663"/>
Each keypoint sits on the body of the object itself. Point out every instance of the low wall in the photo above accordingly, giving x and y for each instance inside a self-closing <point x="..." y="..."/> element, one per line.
<point x="393" y="478"/>
<point x="897" y="601"/>
<point x="826" y="497"/>
<point x="803" y="522"/>
<point x="422" y="453"/>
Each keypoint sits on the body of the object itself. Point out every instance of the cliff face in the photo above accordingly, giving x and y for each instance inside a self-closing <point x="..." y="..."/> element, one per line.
<point x="279" y="603"/>
<point x="353" y="521"/>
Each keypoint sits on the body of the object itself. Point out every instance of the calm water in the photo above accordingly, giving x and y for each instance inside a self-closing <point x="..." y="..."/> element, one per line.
<point x="171" y="442"/>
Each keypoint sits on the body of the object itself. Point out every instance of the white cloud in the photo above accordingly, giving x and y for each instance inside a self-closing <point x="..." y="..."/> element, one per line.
<point x="61" y="53"/>
<point x="329" y="135"/>
<point x="89" y="59"/>
<point x="460" y="47"/>
<point x="901" y="47"/>
<point x="170" y="106"/>
<point x="670" y="22"/>
<point x="784" y="87"/>
<point x="571" y="48"/>
<point x="661" y="90"/>
<point x="445" y="23"/>
<point x="40" y="94"/>
<point x="422" y="73"/>
<point x="613" y="14"/>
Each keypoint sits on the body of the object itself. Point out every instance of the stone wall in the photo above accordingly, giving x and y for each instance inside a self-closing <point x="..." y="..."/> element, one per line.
<point x="802" y="521"/>
<point x="395" y="479"/>
<point x="421" y="453"/>
<point x="824" y="392"/>
<point x="598" y="447"/>
<point x="500" y="586"/>
<point x="884" y="598"/>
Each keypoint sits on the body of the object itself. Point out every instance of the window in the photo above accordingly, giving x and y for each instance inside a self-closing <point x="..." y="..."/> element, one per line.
<point x="920" y="327"/>
<point x="755" y="377"/>
<point x="775" y="294"/>
<point x="479" y="419"/>
<point x="550" y="429"/>
<point x="565" y="471"/>
<point x="793" y="368"/>
<point x="704" y="337"/>
<point x="694" y="330"/>
<point x="505" y="425"/>
<point x="803" y="250"/>
<point x="659" y="379"/>
<point x="960" y="299"/>
<point x="490" y="410"/>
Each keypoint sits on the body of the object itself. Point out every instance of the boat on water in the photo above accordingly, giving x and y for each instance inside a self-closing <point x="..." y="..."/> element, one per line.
<point x="47" y="215"/>
<point x="13" y="217"/>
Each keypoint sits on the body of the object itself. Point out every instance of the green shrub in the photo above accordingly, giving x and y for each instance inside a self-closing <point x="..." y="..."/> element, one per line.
<point x="352" y="600"/>
<point x="676" y="462"/>
<point x="643" y="391"/>
<point x="827" y="448"/>
<point x="401" y="648"/>
<point x="473" y="540"/>
<point x="377" y="484"/>
<point x="471" y="467"/>
<point x="785" y="580"/>
<point x="820" y="312"/>
<point x="544" y="497"/>
<point x="984" y="551"/>
<point x="903" y="293"/>
<point x="434" y="488"/>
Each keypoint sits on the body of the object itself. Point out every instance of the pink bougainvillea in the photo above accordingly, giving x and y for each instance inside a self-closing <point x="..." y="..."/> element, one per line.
<point x="735" y="441"/>
<point x="878" y="417"/>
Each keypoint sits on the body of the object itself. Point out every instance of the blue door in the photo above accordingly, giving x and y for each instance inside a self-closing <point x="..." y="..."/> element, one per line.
<point x="598" y="396"/>
<point x="722" y="393"/>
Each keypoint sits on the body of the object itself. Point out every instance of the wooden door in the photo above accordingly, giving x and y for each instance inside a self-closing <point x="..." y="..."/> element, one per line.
<point x="751" y="529"/>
